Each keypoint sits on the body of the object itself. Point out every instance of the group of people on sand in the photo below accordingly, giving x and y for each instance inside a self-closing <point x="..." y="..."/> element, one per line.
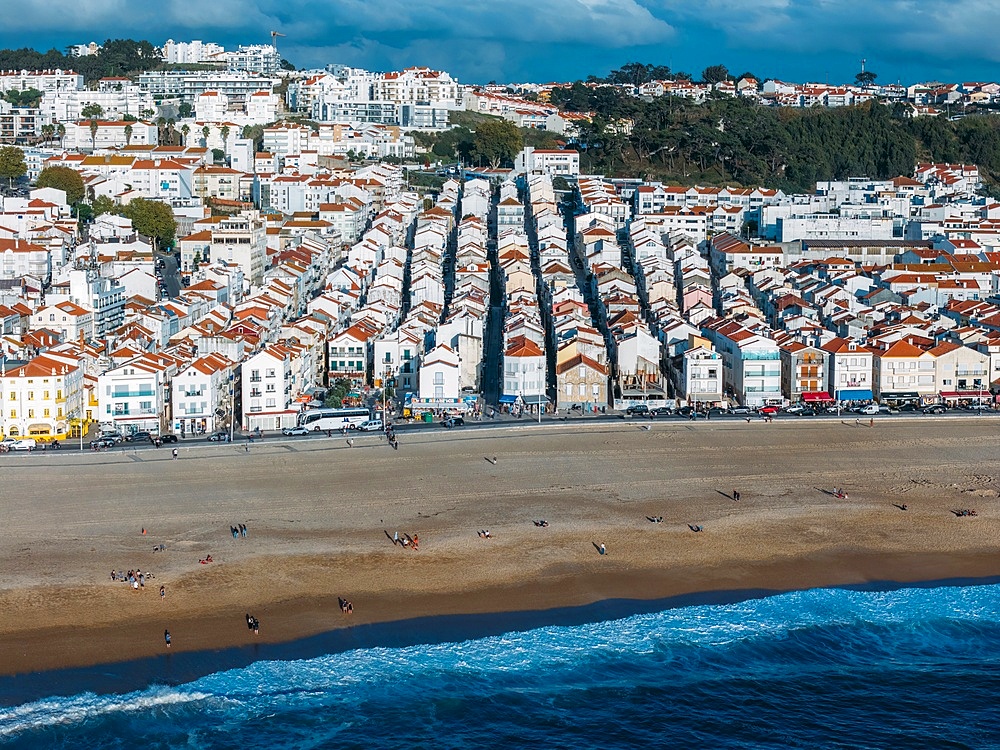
<point x="484" y="534"/>
<point x="840" y="493"/>
<point x="965" y="512"/>
<point x="253" y="624"/>
<point x="239" y="530"/>
<point x="406" y="541"/>
<point x="136" y="579"/>
<point x="543" y="523"/>
<point x="206" y="559"/>
<point x="345" y="606"/>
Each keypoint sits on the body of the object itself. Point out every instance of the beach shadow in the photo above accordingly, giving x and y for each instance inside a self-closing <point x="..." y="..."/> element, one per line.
<point x="901" y="507"/>
<point x="727" y="495"/>
<point x="389" y="537"/>
<point x="696" y="527"/>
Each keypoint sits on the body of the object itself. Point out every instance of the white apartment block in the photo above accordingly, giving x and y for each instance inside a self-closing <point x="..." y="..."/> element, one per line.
<point x="192" y="52"/>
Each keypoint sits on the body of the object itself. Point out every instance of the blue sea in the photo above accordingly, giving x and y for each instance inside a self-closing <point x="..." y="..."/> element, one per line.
<point x="914" y="667"/>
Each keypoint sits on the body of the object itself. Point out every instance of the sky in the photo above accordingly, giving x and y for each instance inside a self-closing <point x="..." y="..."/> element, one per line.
<point x="508" y="41"/>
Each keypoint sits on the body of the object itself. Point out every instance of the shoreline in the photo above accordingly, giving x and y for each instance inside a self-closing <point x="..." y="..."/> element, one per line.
<point x="182" y="667"/>
<point x="318" y="515"/>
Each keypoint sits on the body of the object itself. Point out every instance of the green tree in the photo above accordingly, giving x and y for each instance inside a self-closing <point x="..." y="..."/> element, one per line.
<point x="205" y="131"/>
<point x="185" y="132"/>
<point x="12" y="164"/>
<point x="715" y="74"/>
<point x="102" y="204"/>
<point x="65" y="179"/>
<point x="61" y="132"/>
<point x="497" y="141"/>
<point x="185" y="110"/>
<point x="865" y="78"/>
<point x="48" y="131"/>
<point x="152" y="219"/>
<point x="128" y="134"/>
<point x="91" y="111"/>
<point x="93" y="134"/>
<point x="23" y="98"/>
<point x="224" y="132"/>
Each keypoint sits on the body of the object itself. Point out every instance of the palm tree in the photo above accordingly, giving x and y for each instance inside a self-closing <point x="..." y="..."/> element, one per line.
<point x="93" y="135"/>
<point x="205" y="132"/>
<point x="128" y="135"/>
<point x="48" y="131"/>
<point x="224" y="132"/>
<point x="185" y="131"/>
<point x="61" y="132"/>
<point x="170" y="131"/>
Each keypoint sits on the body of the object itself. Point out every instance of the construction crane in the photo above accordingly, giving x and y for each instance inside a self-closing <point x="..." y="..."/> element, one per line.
<point x="274" y="39"/>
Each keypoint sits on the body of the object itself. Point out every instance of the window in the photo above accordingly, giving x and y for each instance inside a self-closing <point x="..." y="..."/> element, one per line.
<point x="439" y="378"/>
<point x="270" y="373"/>
<point x="31" y="413"/>
<point x="269" y="388"/>
<point x="269" y="403"/>
<point x="13" y="413"/>
<point x="31" y="395"/>
<point x="45" y="413"/>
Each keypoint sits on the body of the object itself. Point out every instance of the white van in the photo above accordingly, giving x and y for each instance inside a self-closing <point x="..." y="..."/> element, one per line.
<point x="371" y="425"/>
<point x="870" y="410"/>
<point x="24" y="444"/>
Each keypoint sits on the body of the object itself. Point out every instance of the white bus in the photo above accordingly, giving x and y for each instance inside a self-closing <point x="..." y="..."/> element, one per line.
<point x="321" y="420"/>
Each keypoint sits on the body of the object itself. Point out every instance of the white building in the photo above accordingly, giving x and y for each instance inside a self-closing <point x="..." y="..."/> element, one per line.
<point x="267" y="389"/>
<point x="202" y="396"/>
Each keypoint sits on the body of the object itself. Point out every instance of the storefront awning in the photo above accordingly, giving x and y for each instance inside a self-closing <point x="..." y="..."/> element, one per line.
<point x="983" y="394"/>
<point x="896" y="395"/>
<point x="505" y="399"/>
<point x="854" y="394"/>
<point x="812" y="396"/>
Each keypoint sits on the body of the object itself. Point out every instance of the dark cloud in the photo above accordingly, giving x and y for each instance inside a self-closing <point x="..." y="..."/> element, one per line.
<point x="555" y="39"/>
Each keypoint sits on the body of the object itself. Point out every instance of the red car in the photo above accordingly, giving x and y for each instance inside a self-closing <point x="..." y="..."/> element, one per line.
<point x="770" y="410"/>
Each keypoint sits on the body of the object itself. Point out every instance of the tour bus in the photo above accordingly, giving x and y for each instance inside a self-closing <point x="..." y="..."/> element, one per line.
<point x="320" y="420"/>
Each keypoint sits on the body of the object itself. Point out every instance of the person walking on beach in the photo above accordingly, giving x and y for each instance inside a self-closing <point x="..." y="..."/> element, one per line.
<point x="166" y="637"/>
<point x="175" y="453"/>
<point x="601" y="550"/>
<point x="163" y="592"/>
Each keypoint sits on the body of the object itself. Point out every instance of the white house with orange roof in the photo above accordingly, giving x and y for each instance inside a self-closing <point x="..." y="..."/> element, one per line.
<point x="347" y="352"/>
<point x="904" y="372"/>
<point x="202" y="395"/>
<point x="269" y="388"/>
<point x="19" y="258"/>
<point x="439" y="379"/>
<point x="107" y="134"/>
<point x="523" y="373"/>
<point x="71" y="320"/>
<point x="849" y="370"/>
<point x="132" y="396"/>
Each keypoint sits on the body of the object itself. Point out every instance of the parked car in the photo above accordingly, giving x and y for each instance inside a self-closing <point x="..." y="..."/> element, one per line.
<point x="661" y="411"/>
<point x="102" y="442"/>
<point x="806" y="411"/>
<point x="371" y="425"/>
<point x="218" y="437"/>
<point x="869" y="410"/>
<point x="935" y="409"/>
<point x="455" y="421"/>
<point x="292" y="431"/>
<point x="769" y="410"/>
<point x="885" y="409"/>
<point x="168" y="437"/>
<point x="24" y="444"/>
<point x="113" y="436"/>
<point x="637" y="409"/>
<point x="142" y="436"/>
<point x="795" y="408"/>
<point x="742" y="410"/>
<point x="977" y="407"/>
<point x="717" y="411"/>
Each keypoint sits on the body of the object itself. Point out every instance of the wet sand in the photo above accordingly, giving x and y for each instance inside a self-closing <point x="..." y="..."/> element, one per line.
<point x="318" y="511"/>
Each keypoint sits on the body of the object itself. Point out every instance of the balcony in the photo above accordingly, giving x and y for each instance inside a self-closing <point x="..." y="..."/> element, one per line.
<point x="133" y="394"/>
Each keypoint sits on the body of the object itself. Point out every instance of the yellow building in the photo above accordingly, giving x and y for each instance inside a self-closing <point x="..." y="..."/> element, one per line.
<point x="41" y="399"/>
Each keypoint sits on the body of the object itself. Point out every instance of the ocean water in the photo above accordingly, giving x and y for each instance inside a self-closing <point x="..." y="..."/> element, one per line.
<point x="828" y="668"/>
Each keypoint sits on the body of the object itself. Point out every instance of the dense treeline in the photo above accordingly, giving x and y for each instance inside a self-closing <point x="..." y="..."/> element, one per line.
<point x="117" y="57"/>
<point x="733" y="140"/>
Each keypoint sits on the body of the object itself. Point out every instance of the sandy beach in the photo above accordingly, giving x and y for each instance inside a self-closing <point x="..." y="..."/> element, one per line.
<point x="317" y="513"/>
